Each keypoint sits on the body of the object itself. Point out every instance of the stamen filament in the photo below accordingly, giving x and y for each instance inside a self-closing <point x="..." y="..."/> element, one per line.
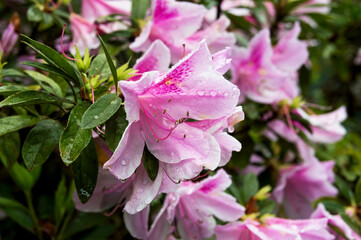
<point x="61" y="45"/>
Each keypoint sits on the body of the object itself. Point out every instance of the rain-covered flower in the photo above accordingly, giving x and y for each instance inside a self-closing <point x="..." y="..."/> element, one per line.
<point x="180" y="116"/>
<point x="191" y="209"/>
<point x="300" y="185"/>
<point x="335" y="221"/>
<point x="268" y="75"/>
<point x="273" y="228"/>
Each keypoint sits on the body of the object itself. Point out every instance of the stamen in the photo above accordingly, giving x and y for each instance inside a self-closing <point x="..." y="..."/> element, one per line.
<point x="171" y="178"/>
<point x="164" y="111"/>
<point x="185" y="135"/>
<point x="288" y="117"/>
<point x="200" y="176"/>
<point x="61" y="45"/>
<point x="169" y="100"/>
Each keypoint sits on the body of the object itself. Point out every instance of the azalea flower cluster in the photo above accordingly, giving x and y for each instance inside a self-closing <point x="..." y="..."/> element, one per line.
<point x="186" y="100"/>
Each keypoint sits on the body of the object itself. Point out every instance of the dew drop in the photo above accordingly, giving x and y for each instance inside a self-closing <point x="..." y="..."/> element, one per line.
<point x="200" y="93"/>
<point x="139" y="208"/>
<point x="96" y="117"/>
<point x="124" y="162"/>
<point x="226" y="94"/>
<point x="172" y="154"/>
<point x="177" y="169"/>
<point x="213" y="93"/>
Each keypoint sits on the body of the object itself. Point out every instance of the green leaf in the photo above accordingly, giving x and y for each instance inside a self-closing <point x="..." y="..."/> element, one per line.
<point x="46" y="83"/>
<point x="23" y="178"/>
<point x="151" y="164"/>
<point x="83" y="222"/>
<point x="99" y="66"/>
<point x="50" y="69"/>
<point x="345" y="189"/>
<point x="74" y="139"/>
<point x="100" y="111"/>
<point x="40" y="142"/>
<point x="11" y="72"/>
<point x="114" y="129"/>
<point x="63" y="201"/>
<point x="110" y="63"/>
<point x="266" y="206"/>
<point x="17" y="212"/>
<point x="249" y="187"/>
<point x="27" y="98"/>
<point x="55" y="59"/>
<point x="85" y="171"/>
<point x="9" y="148"/>
<point x="139" y="9"/>
<point x="358" y="191"/>
<point x="14" y="123"/>
<point x="11" y="89"/>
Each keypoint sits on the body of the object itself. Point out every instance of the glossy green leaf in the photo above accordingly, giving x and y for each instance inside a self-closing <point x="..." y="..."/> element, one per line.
<point x="100" y="111"/>
<point x="11" y="89"/>
<point x="9" y="148"/>
<point x="250" y="187"/>
<point x="85" y="171"/>
<point x="27" y="98"/>
<point x="11" y="72"/>
<point x="40" y="142"/>
<point x="14" y="123"/>
<point x="110" y="63"/>
<point x="52" y="57"/>
<point x="99" y="66"/>
<point x="114" y="128"/>
<point x="46" y="83"/>
<point x="151" y="164"/>
<point x="74" y="139"/>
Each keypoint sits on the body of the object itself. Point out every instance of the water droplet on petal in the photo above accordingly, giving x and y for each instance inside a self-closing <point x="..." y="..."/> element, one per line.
<point x="226" y="94"/>
<point x="200" y="93"/>
<point x="213" y="93"/>
<point x="177" y="169"/>
<point x="139" y="208"/>
<point x="124" y="162"/>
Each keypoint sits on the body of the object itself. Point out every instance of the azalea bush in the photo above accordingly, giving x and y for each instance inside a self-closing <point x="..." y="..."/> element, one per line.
<point x="165" y="119"/>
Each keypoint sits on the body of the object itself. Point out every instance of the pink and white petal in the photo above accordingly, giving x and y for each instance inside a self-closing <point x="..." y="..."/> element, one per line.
<point x="185" y="169"/>
<point x="214" y="155"/>
<point x="227" y="144"/>
<point x="219" y="204"/>
<point x="137" y="223"/>
<point x="204" y="96"/>
<point x="177" y="147"/>
<point x="219" y="182"/>
<point x="161" y="226"/>
<point x="178" y="19"/>
<point x="222" y="60"/>
<point x="236" y="117"/>
<point x="93" y="9"/>
<point x="144" y="190"/>
<point x="142" y="42"/>
<point x="157" y="57"/>
<point x="127" y="156"/>
<point x="131" y="91"/>
<point x="260" y="48"/>
<point x="230" y="231"/>
<point x="290" y="53"/>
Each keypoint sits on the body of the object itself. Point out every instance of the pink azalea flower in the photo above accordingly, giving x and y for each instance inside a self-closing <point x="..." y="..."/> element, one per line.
<point x="8" y="39"/>
<point x="83" y="34"/>
<point x="336" y="221"/>
<point x="300" y="185"/>
<point x="268" y="75"/>
<point x="193" y="207"/>
<point x="275" y="228"/>
<point x="170" y="21"/>
<point x="157" y="108"/>
<point x="326" y="128"/>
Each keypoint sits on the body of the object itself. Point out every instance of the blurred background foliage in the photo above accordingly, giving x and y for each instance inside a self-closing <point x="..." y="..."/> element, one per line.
<point x="331" y="78"/>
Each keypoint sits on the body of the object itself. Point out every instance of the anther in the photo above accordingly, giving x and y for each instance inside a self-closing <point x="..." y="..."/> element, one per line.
<point x="169" y="100"/>
<point x="185" y="135"/>
<point x="164" y="111"/>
